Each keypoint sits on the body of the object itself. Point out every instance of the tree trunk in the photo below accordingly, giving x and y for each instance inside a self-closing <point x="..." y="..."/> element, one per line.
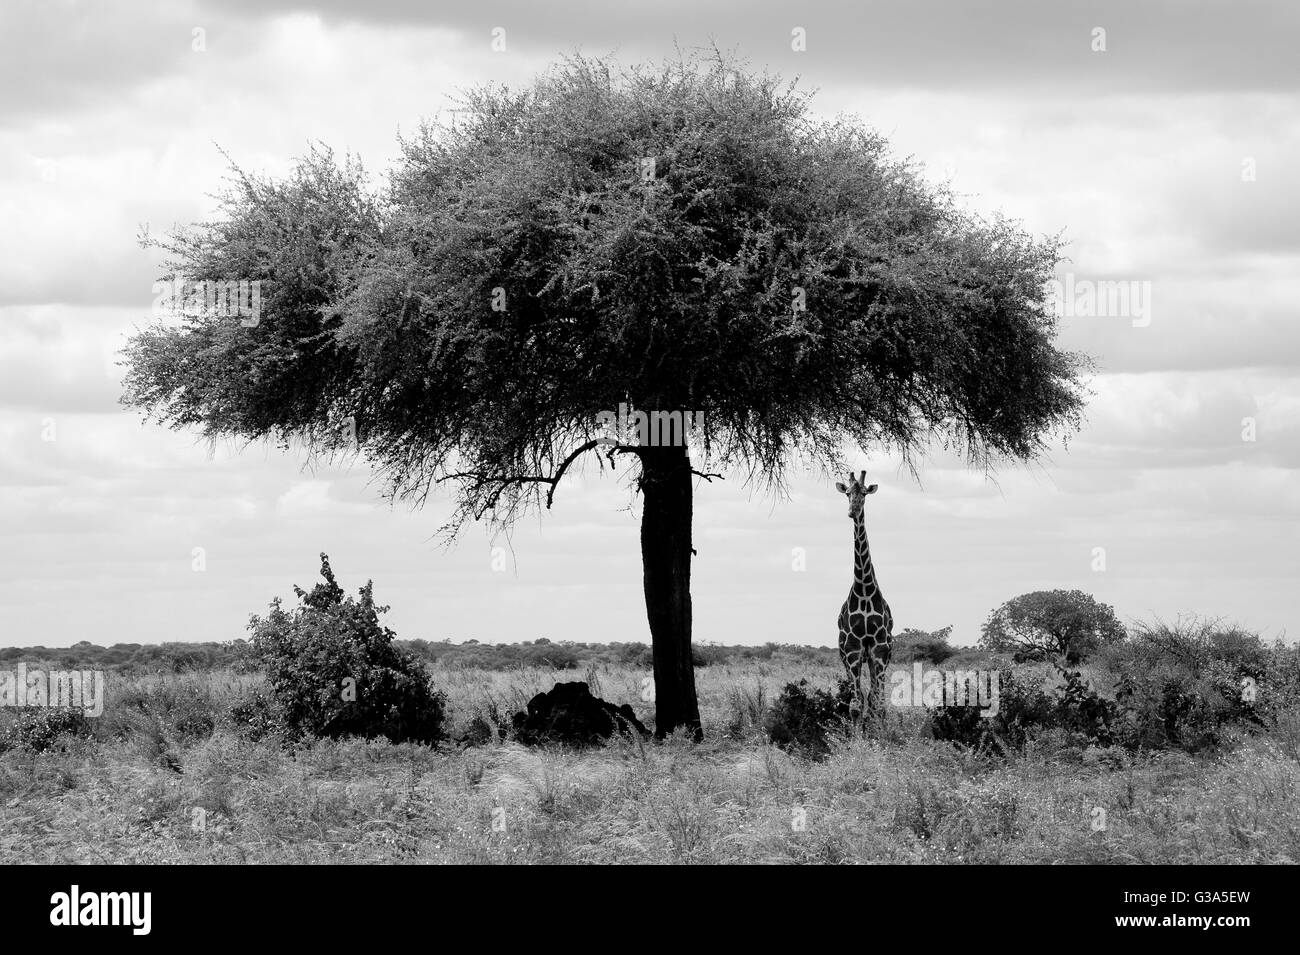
<point x="666" y="556"/>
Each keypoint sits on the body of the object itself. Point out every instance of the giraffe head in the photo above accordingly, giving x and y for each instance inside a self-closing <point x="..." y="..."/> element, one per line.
<point x="857" y="491"/>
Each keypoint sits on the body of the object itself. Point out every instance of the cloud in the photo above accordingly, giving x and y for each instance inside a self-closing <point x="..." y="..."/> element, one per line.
<point x="1026" y="46"/>
<point x="54" y="361"/>
<point x="62" y="56"/>
<point x="109" y="118"/>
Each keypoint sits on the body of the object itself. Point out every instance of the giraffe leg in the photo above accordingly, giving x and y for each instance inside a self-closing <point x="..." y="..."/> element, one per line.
<point x="878" y="664"/>
<point x="862" y="692"/>
<point x="853" y="665"/>
<point x="850" y="670"/>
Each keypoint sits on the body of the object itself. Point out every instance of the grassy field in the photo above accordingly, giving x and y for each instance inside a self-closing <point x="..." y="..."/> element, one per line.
<point x="166" y="779"/>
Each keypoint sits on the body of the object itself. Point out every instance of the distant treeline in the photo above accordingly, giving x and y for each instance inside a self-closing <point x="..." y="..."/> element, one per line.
<point x="567" y="654"/>
<point x="147" y="657"/>
<point x="183" y="657"/>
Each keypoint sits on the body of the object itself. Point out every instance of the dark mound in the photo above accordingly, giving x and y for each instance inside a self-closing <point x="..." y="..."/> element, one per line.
<point x="570" y="715"/>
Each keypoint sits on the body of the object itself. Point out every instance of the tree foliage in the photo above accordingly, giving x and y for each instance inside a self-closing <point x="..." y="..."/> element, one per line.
<point x="686" y="238"/>
<point x="912" y="645"/>
<point x="1051" y="623"/>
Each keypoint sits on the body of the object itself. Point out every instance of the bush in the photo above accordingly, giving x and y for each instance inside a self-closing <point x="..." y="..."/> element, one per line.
<point x="1024" y="709"/>
<point x="1177" y="687"/>
<point x="1082" y="712"/>
<point x="1021" y="705"/>
<point x="333" y="670"/>
<point x="40" y="730"/>
<point x="543" y="653"/>
<point x="913" y="645"/>
<point x="638" y="656"/>
<point x="1165" y="706"/>
<point x="1181" y="685"/>
<point x="1192" y="644"/>
<point x="802" y="719"/>
<point x="1171" y="707"/>
<point x="708" y="655"/>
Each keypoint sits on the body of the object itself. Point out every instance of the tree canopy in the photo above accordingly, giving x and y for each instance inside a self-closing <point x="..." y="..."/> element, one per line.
<point x="1052" y="623"/>
<point x="688" y="237"/>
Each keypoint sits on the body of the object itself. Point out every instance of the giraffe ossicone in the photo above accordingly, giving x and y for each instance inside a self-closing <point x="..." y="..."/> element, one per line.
<point x="866" y="624"/>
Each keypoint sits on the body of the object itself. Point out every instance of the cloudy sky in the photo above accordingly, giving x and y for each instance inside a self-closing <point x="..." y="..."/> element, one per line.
<point x="1161" y="137"/>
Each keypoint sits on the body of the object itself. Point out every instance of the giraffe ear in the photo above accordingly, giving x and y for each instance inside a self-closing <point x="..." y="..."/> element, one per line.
<point x="841" y="488"/>
<point x="872" y="489"/>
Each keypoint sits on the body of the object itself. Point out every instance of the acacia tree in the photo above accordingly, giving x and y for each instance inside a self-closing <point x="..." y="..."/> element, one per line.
<point x="1046" y="623"/>
<point x="685" y="237"/>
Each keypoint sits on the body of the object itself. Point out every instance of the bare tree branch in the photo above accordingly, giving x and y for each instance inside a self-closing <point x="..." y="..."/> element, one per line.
<point x="503" y="482"/>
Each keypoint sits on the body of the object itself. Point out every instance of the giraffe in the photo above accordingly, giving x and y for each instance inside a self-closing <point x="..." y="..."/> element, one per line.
<point x="866" y="625"/>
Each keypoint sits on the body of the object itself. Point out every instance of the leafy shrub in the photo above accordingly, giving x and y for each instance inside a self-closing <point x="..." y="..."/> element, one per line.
<point x="1021" y="705"/>
<point x="40" y="730"/>
<point x="709" y="654"/>
<point x="1191" y="643"/>
<point x="1182" y="685"/>
<point x="635" y="655"/>
<point x="543" y="653"/>
<point x="1025" y="708"/>
<point x="1081" y="711"/>
<point x="801" y="719"/>
<point x="333" y="670"/>
<point x="1166" y="706"/>
<point x="973" y="658"/>
<point x="1278" y="697"/>
<point x="912" y="645"/>
<point x="1172" y="708"/>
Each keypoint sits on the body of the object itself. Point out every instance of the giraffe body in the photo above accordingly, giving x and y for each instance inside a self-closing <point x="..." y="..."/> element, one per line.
<point x="865" y="623"/>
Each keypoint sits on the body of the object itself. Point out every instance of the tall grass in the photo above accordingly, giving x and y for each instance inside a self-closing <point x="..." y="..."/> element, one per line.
<point x="164" y="776"/>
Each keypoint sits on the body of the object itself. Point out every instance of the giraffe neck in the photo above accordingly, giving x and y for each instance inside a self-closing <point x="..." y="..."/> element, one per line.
<point x="862" y="569"/>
